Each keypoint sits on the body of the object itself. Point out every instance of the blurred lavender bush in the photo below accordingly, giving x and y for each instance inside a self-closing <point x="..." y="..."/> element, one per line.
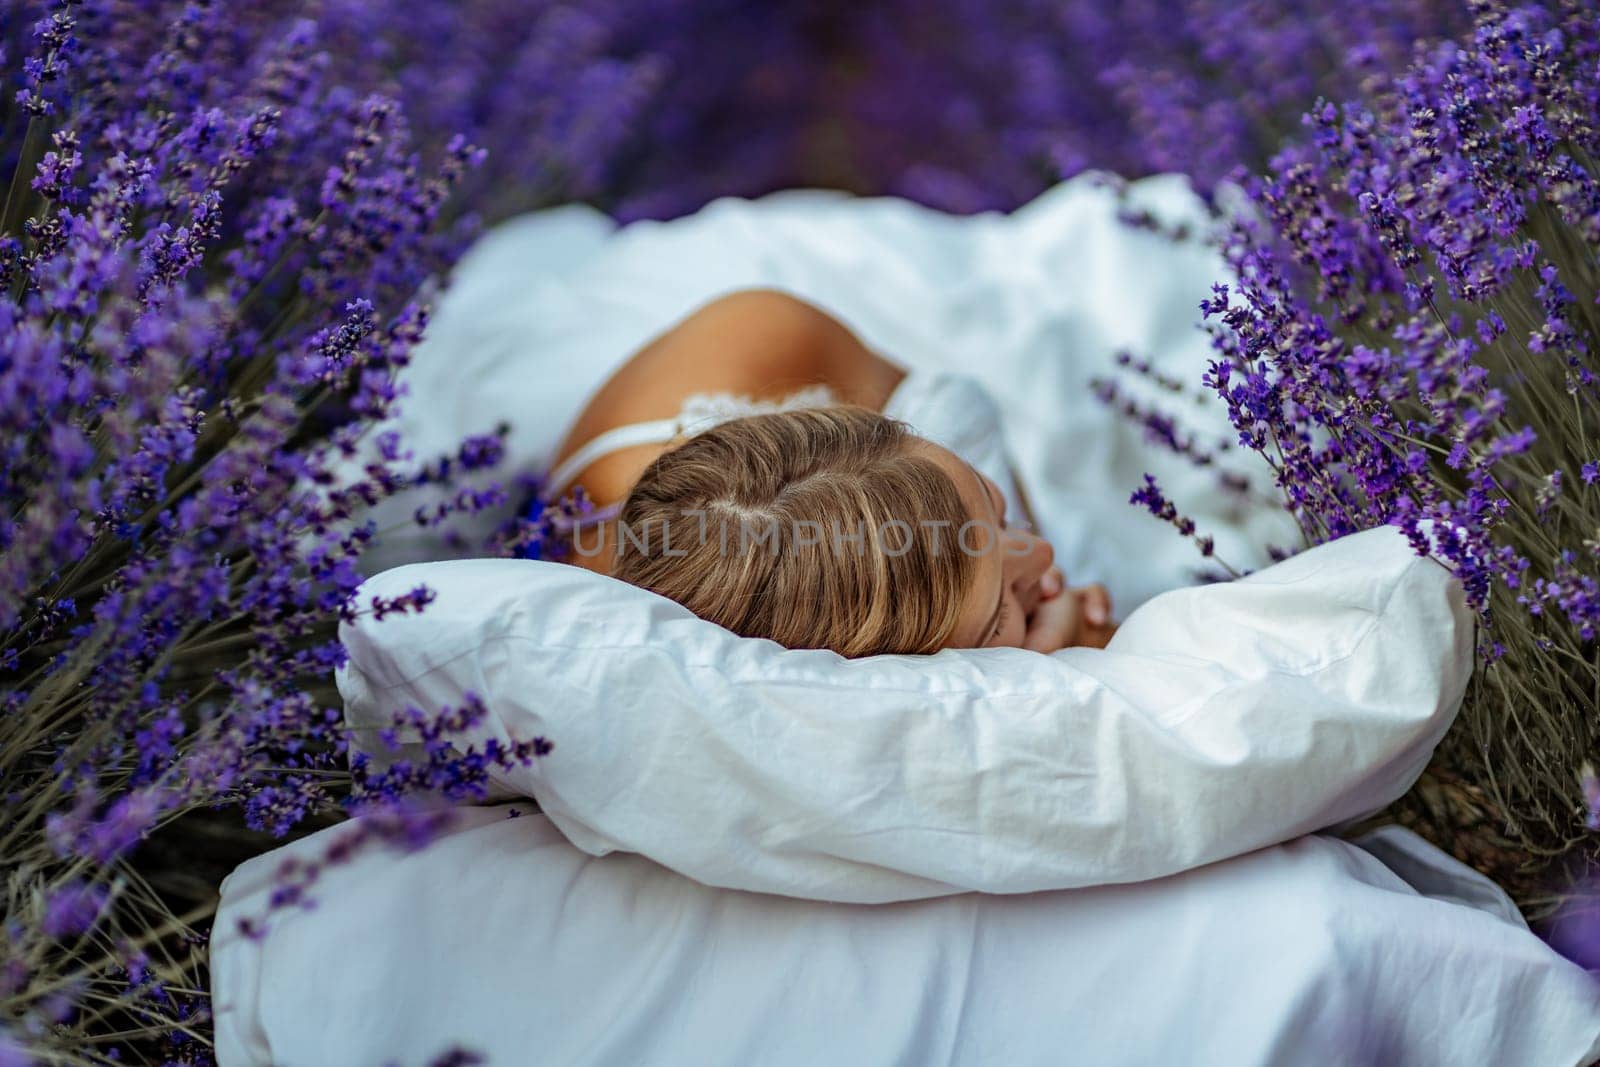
<point x="1413" y="336"/>
<point x="647" y="108"/>
<point x="969" y="105"/>
<point x="221" y="230"/>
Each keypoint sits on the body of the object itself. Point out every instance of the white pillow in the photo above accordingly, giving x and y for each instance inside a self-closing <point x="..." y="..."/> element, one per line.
<point x="1221" y="718"/>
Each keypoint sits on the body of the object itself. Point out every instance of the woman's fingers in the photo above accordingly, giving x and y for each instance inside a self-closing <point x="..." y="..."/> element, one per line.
<point x="1054" y="624"/>
<point x="1092" y="636"/>
<point x="1071" y="616"/>
<point x="1051" y="583"/>
<point x="1096" y="604"/>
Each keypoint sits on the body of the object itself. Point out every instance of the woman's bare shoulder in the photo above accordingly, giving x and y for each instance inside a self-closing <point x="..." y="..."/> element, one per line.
<point x="758" y="342"/>
<point x="755" y="342"/>
<point x="765" y="343"/>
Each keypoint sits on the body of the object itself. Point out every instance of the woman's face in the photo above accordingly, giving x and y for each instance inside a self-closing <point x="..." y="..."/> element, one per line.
<point x="1013" y="566"/>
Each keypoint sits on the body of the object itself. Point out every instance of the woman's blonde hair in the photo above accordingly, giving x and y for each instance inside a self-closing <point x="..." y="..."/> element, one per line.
<point x="816" y="527"/>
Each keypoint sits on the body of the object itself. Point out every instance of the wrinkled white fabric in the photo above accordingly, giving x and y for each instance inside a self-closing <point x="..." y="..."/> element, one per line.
<point x="1033" y="305"/>
<point x="505" y="939"/>
<point x="1220" y="718"/>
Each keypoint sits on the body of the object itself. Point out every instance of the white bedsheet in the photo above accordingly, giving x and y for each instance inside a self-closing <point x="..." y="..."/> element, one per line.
<point x="506" y="939"/>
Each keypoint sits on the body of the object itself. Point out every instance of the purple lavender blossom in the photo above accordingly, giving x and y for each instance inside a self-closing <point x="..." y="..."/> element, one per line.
<point x="216" y="252"/>
<point x="1410" y="337"/>
<point x="214" y="256"/>
<point x="72" y="909"/>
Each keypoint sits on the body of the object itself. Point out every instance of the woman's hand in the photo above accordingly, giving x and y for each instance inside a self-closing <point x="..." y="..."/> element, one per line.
<point x="1097" y="626"/>
<point x="1071" y="617"/>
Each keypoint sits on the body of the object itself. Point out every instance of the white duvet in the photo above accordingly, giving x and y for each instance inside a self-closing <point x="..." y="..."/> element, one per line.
<point x="508" y="939"/>
<point x="505" y="939"/>
<point x="1034" y="304"/>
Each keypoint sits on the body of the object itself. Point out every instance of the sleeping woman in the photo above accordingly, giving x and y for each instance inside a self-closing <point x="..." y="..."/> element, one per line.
<point x="758" y="464"/>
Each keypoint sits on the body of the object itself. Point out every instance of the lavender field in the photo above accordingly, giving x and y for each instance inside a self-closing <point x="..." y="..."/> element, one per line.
<point x="224" y="225"/>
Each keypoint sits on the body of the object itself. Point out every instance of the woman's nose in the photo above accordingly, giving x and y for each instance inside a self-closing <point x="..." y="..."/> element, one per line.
<point x="1028" y="556"/>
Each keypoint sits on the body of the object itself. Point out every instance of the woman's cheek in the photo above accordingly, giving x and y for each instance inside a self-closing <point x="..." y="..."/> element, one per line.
<point x="1016" y="627"/>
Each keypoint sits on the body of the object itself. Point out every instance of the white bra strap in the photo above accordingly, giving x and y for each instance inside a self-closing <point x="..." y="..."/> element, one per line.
<point x="654" y="432"/>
